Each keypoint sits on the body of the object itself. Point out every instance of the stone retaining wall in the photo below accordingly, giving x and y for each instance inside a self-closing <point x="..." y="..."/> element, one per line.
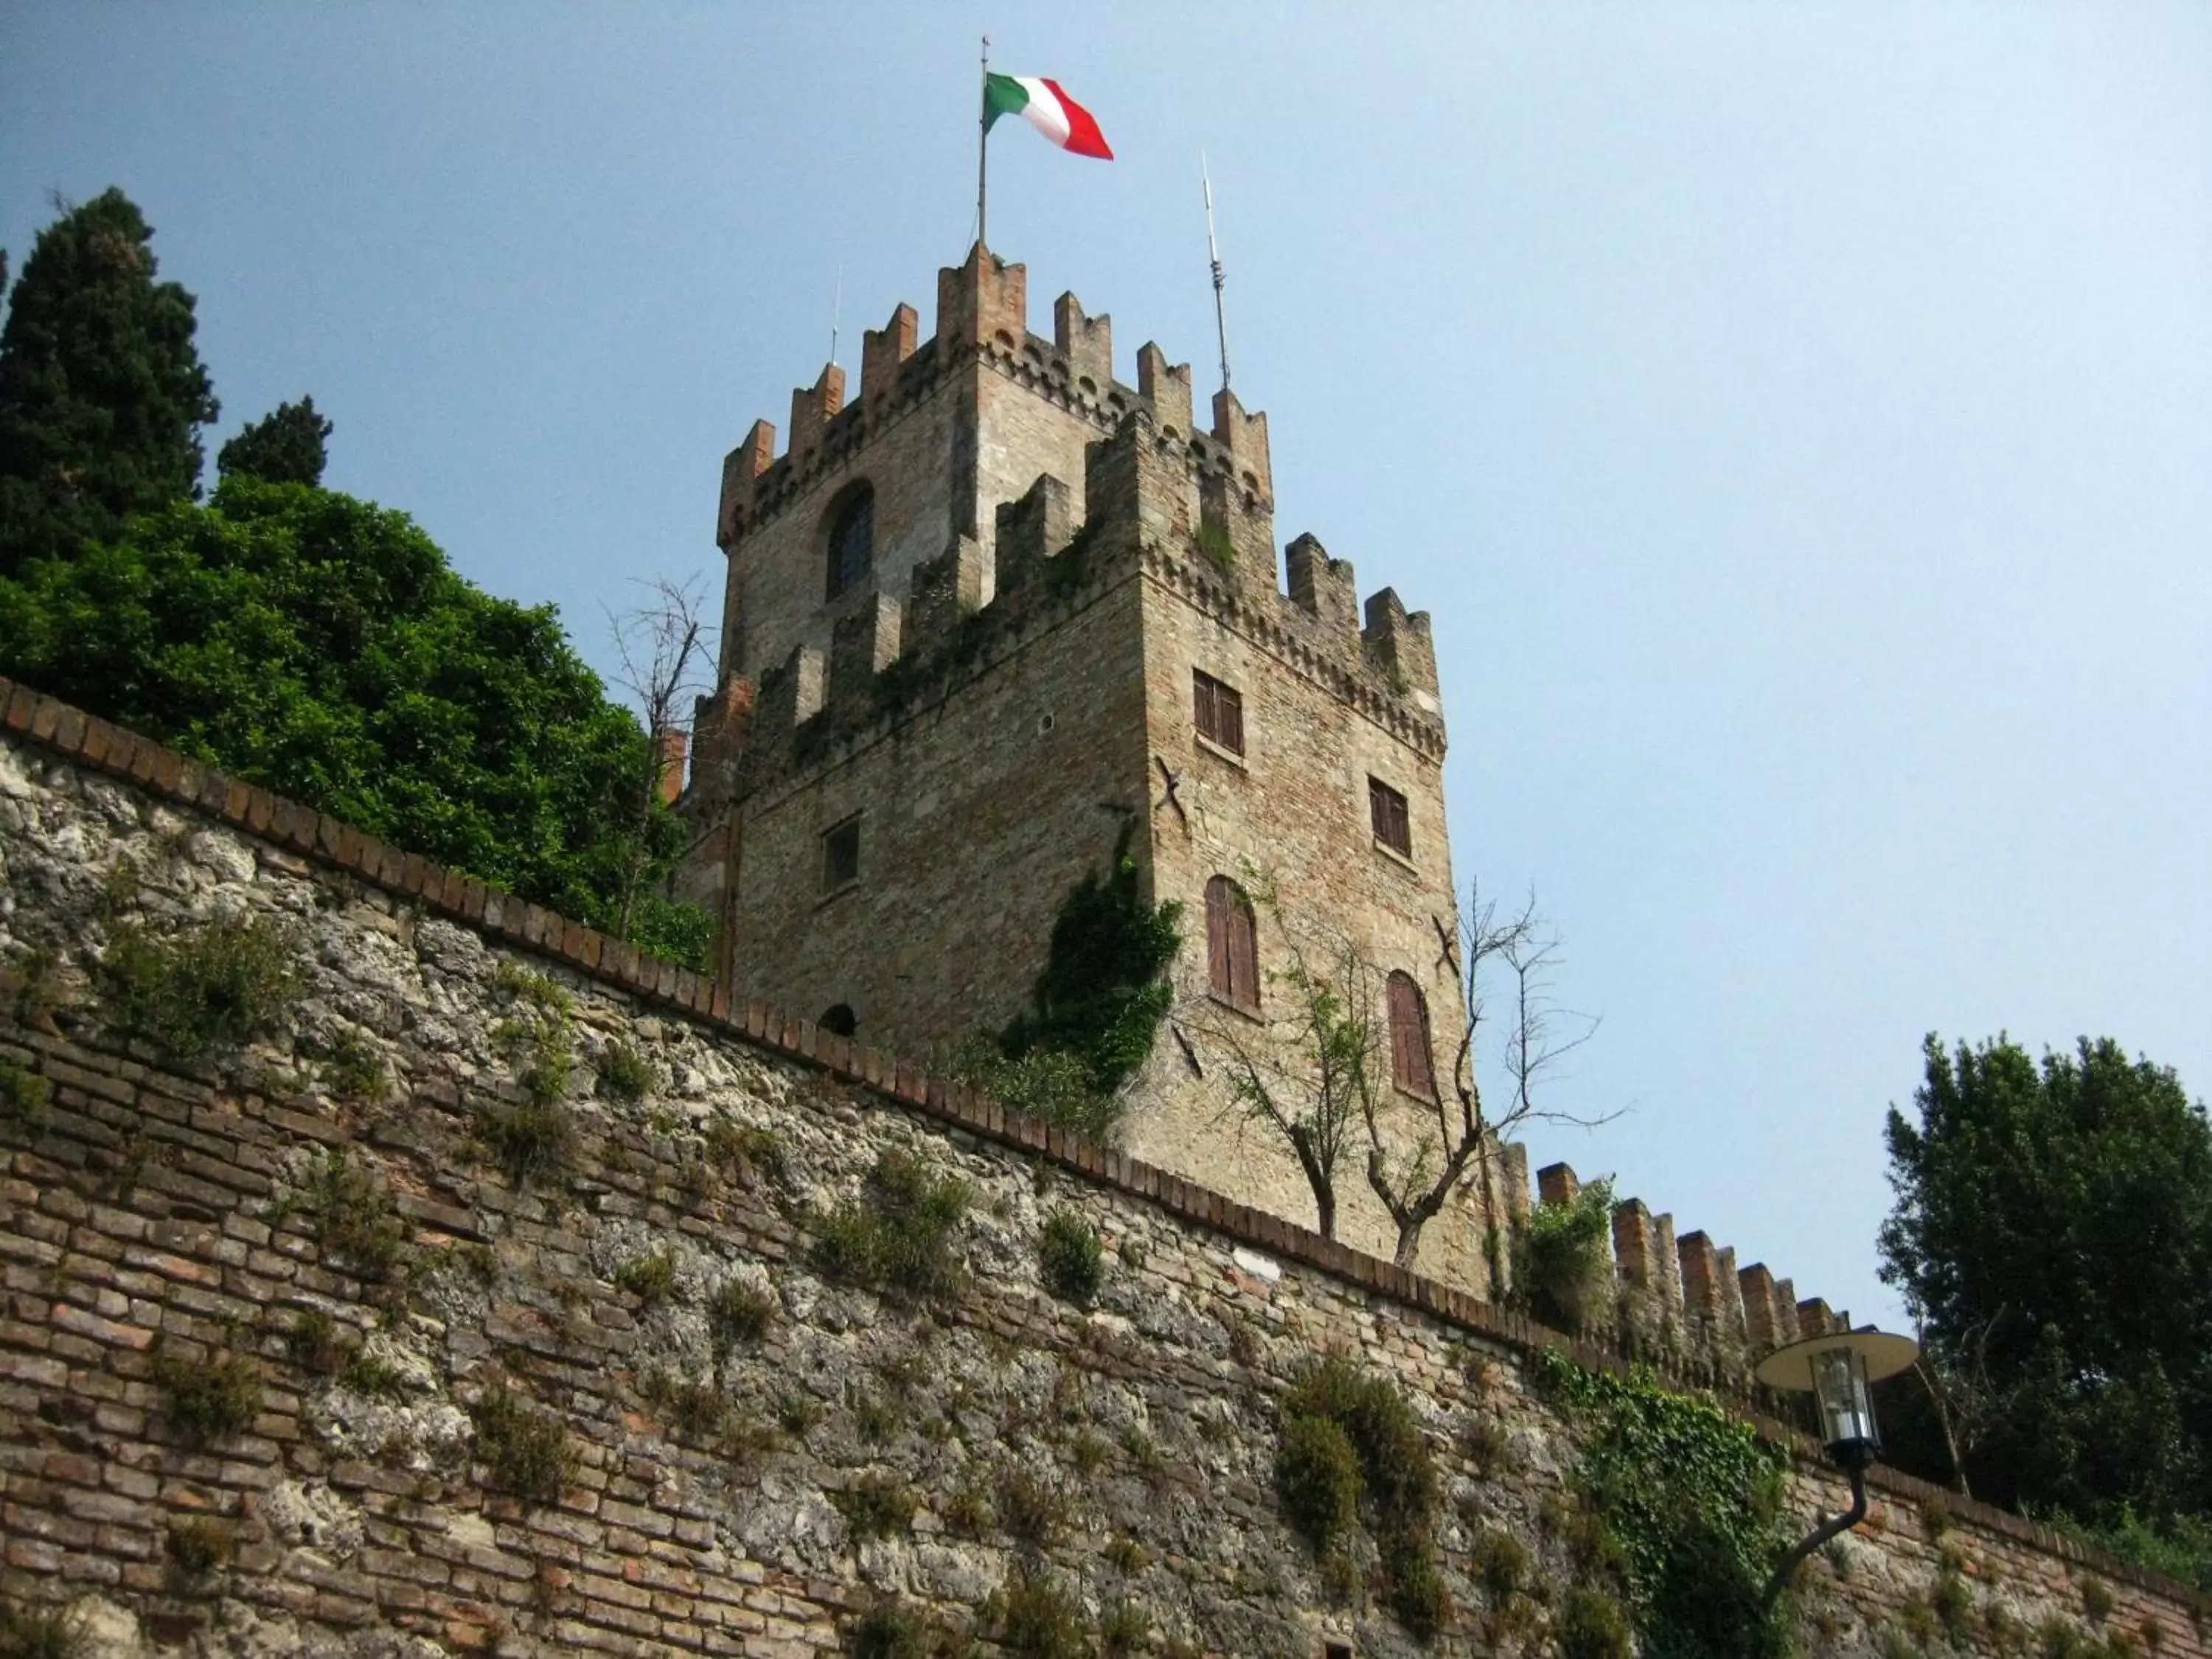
<point x="166" y="1225"/>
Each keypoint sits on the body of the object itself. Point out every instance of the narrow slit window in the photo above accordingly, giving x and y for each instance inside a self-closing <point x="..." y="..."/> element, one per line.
<point x="852" y="540"/>
<point x="1393" y="828"/>
<point x="1218" y="711"/>
<point x="840" y="855"/>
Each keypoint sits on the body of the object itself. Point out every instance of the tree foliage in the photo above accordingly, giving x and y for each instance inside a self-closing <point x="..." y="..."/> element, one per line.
<point x="323" y="648"/>
<point x="2052" y="1236"/>
<point x="286" y="445"/>
<point x="102" y="394"/>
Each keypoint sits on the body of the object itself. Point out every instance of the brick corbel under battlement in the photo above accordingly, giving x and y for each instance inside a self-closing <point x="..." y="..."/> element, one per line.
<point x="29" y="718"/>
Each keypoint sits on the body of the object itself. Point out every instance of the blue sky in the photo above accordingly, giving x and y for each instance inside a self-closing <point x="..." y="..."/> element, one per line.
<point x="1796" y="419"/>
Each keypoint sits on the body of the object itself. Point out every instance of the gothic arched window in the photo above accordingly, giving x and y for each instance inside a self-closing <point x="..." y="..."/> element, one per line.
<point x="851" y="543"/>
<point x="1232" y="946"/>
<point x="1411" y="1067"/>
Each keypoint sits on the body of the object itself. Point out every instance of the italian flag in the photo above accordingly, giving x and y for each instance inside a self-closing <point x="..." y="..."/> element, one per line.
<point x="1046" y="107"/>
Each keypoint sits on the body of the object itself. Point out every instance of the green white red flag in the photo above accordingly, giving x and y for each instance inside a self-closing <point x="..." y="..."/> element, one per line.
<point x="1045" y="106"/>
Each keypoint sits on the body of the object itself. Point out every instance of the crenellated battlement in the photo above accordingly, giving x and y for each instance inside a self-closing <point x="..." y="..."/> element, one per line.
<point x="1151" y="511"/>
<point x="1686" y="1296"/>
<point x="982" y="308"/>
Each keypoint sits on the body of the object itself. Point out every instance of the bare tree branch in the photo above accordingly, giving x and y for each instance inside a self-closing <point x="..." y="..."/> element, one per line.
<point x="666" y="648"/>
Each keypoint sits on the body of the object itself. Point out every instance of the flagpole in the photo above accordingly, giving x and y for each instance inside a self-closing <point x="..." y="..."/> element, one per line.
<point x="983" y="148"/>
<point x="1213" y="253"/>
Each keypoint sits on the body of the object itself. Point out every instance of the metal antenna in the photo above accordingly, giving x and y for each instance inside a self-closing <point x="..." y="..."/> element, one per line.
<point x="1213" y="253"/>
<point x="836" y="311"/>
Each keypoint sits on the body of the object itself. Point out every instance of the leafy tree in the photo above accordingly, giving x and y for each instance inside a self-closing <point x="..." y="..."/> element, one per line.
<point x="2052" y="1237"/>
<point x="102" y="394"/>
<point x="323" y="647"/>
<point x="284" y="446"/>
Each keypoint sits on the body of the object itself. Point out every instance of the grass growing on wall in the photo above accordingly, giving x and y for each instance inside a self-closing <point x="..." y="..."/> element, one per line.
<point x="1689" y="1505"/>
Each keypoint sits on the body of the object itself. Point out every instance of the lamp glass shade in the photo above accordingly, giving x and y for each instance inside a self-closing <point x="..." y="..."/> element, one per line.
<point x="1839" y="1384"/>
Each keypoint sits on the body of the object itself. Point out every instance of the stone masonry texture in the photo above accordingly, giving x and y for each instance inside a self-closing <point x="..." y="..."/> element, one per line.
<point x="158" y="1221"/>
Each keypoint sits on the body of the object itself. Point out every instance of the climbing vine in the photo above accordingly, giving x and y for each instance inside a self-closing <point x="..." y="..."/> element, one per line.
<point x="1094" y="1010"/>
<point x="1689" y="1502"/>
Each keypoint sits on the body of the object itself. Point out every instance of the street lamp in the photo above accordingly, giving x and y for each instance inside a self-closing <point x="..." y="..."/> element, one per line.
<point x="1838" y="1370"/>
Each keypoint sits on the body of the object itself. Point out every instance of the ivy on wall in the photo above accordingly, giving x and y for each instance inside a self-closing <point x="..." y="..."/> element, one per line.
<point x="1096" y="1008"/>
<point x="1690" y="1504"/>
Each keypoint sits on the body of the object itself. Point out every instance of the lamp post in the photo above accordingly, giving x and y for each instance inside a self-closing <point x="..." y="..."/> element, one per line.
<point x="1838" y="1370"/>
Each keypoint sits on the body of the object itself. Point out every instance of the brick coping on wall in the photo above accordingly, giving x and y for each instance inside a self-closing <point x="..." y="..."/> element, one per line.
<point x="75" y="736"/>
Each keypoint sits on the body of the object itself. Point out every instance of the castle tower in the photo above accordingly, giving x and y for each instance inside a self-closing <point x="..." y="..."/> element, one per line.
<point x="999" y="607"/>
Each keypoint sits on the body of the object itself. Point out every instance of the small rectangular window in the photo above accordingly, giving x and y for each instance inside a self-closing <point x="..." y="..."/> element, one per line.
<point x="1336" y="1650"/>
<point x="840" y="855"/>
<point x="1394" y="828"/>
<point x="1218" y="710"/>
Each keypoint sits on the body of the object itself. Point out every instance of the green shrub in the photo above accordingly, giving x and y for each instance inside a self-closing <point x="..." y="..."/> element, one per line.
<point x="355" y="1070"/>
<point x="1500" y="1561"/>
<point x="650" y="1279"/>
<point x="313" y="1341"/>
<point x="1029" y="1507"/>
<point x="2179" y="1545"/>
<point x="1051" y="1084"/>
<point x="876" y="1506"/>
<point x="1952" y="1604"/>
<point x="378" y="1379"/>
<point x="526" y="1452"/>
<point x="355" y="1218"/>
<point x="2096" y="1600"/>
<point x="1560" y="1254"/>
<point x="31" y="1632"/>
<point x="1591" y="1625"/>
<point x="1487" y="1444"/>
<point x="1123" y="1628"/>
<point x="209" y="1399"/>
<point x="745" y="1150"/>
<point x="889" y="1631"/>
<point x="528" y="1139"/>
<point x="1397" y="1485"/>
<point x="738" y="1312"/>
<point x="1038" y="1620"/>
<point x="206" y="986"/>
<point x="198" y="1546"/>
<point x="535" y="1035"/>
<point x="1074" y="1266"/>
<point x="1317" y="1477"/>
<point x="624" y="1073"/>
<point x="899" y="1238"/>
<point x="23" y="1098"/>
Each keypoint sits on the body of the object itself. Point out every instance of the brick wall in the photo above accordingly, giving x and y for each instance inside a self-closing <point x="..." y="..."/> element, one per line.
<point x="158" y="1213"/>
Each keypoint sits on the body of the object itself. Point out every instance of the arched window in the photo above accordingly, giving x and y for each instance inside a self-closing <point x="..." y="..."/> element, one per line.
<point x="838" y="1019"/>
<point x="1232" y="946"/>
<point x="1410" y="1065"/>
<point x="851" y="543"/>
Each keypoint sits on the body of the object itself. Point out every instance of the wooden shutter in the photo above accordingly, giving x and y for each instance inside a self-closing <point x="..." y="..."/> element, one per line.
<point x="1409" y="1037"/>
<point x="1243" y="954"/>
<point x="1387" y="811"/>
<point x="1229" y="716"/>
<point x="1204" y="716"/>
<point x="1220" y="900"/>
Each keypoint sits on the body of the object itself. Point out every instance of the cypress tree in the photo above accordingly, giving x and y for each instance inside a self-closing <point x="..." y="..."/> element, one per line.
<point x="102" y="393"/>
<point x="286" y="446"/>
